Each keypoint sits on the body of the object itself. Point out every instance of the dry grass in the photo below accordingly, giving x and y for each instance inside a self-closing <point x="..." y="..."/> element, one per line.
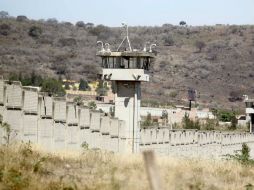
<point x="22" y="167"/>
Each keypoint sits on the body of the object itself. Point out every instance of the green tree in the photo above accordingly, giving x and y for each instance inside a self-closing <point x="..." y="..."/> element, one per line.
<point x="148" y="121"/>
<point x="80" y="24"/>
<point x="224" y="115"/>
<point x="35" y="31"/>
<point x="67" y="86"/>
<point x="74" y="88"/>
<point x="78" y="100"/>
<point x="243" y="155"/>
<point x="210" y="124"/>
<point x="164" y="116"/>
<point x="13" y="77"/>
<point x="36" y="80"/>
<point x="92" y="105"/>
<point x="83" y="85"/>
<point x="233" y="124"/>
<point x="190" y="124"/>
<point x="53" y="87"/>
<point x="28" y="80"/>
<point x="102" y="88"/>
<point x="182" y="23"/>
<point x="112" y="111"/>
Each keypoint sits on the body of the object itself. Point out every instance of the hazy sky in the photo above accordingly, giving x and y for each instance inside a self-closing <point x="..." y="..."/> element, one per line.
<point x="136" y="12"/>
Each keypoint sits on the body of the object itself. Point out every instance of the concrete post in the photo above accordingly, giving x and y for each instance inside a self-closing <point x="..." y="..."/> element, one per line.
<point x="251" y="122"/>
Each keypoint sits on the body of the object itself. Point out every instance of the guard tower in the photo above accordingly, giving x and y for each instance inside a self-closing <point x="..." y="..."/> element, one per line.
<point x="127" y="69"/>
<point x="249" y="103"/>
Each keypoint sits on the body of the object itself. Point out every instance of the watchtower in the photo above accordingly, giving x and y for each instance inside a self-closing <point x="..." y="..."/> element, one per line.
<point x="127" y="69"/>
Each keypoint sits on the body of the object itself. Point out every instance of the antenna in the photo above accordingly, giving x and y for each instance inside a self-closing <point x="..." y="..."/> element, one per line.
<point x="102" y="47"/>
<point x="245" y="97"/>
<point x="145" y="46"/>
<point x="153" y="45"/>
<point x="107" y="46"/>
<point x="125" y="38"/>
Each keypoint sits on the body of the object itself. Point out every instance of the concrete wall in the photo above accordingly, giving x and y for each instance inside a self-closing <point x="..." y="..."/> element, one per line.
<point x="53" y="123"/>
<point x="193" y="143"/>
<point x="57" y="125"/>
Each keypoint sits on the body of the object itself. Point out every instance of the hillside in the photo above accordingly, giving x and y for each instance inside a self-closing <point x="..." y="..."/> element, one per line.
<point x="217" y="61"/>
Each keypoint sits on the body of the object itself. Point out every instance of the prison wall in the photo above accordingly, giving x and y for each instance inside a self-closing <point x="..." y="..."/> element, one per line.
<point x="58" y="125"/>
<point x="194" y="143"/>
<point x="52" y="122"/>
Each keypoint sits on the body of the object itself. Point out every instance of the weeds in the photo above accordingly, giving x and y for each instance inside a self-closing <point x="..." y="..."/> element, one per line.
<point x="37" y="167"/>
<point x="85" y="146"/>
<point x="249" y="186"/>
<point x="243" y="155"/>
<point x="7" y="129"/>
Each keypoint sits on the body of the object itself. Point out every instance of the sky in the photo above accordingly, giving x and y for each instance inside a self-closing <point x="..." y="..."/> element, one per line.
<point x="136" y="12"/>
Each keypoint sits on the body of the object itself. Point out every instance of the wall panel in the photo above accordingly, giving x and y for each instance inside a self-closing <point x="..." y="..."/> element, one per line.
<point x="59" y="135"/>
<point x="30" y="128"/>
<point x="16" y="124"/>
<point x="14" y="96"/>
<point x="59" y="110"/>
<point x="72" y="138"/>
<point x="84" y="117"/>
<point x="30" y="100"/>
<point x="72" y="114"/>
<point x="45" y="133"/>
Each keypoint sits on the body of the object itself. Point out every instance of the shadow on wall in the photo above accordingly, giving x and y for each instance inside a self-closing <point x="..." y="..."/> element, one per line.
<point x="126" y="101"/>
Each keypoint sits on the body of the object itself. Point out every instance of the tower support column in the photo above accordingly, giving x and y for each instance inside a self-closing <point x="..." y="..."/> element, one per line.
<point x="127" y="108"/>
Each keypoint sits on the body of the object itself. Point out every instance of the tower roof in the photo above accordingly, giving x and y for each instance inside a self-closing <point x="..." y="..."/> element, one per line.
<point x="125" y="54"/>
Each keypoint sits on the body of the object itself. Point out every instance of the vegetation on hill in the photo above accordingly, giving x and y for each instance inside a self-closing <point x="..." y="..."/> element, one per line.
<point x="50" y="85"/>
<point x="53" y="87"/>
<point x="217" y="61"/>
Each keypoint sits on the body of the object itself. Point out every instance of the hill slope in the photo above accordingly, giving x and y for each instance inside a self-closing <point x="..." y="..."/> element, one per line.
<point x="217" y="61"/>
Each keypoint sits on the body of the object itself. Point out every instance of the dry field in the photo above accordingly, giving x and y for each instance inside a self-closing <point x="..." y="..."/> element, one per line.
<point x="24" y="167"/>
